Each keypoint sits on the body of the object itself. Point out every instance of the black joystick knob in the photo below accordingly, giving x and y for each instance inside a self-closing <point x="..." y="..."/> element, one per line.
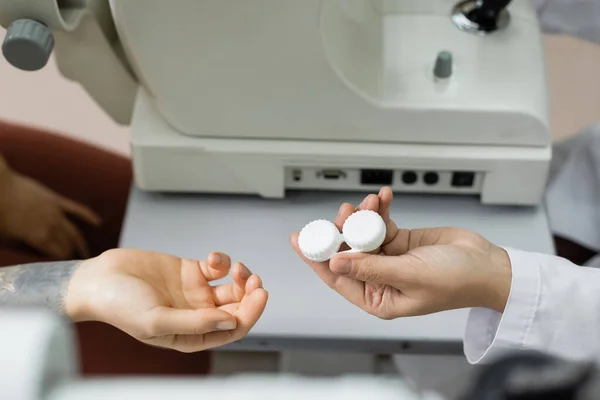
<point x="487" y="13"/>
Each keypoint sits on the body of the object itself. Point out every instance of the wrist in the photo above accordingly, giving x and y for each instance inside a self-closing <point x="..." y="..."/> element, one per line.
<point x="499" y="281"/>
<point x="77" y="304"/>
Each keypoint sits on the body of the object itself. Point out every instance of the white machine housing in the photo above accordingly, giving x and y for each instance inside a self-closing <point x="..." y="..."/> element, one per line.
<point x="260" y="96"/>
<point x="39" y="363"/>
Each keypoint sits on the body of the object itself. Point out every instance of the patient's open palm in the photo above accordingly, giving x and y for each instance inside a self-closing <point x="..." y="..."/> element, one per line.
<point x="169" y="302"/>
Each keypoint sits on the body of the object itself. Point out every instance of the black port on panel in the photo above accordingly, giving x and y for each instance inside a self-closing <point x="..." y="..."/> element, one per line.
<point x="463" y="179"/>
<point x="431" y="178"/>
<point x="297" y="175"/>
<point x="333" y="174"/>
<point x="376" y="177"/>
<point x="409" y="178"/>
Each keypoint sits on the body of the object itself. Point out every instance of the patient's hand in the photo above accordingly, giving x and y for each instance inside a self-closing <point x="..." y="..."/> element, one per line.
<point x="167" y="301"/>
<point x="417" y="272"/>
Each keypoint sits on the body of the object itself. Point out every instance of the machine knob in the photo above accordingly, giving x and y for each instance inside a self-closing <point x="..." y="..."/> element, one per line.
<point x="28" y="45"/>
<point x="443" y="65"/>
<point x="488" y="13"/>
<point x="481" y="16"/>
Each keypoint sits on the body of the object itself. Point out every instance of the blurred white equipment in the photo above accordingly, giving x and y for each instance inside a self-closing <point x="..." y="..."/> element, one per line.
<point x="38" y="363"/>
<point x="260" y="96"/>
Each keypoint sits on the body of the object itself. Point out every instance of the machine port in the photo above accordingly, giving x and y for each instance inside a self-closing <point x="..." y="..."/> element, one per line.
<point x="297" y="175"/>
<point x="376" y="177"/>
<point x="431" y="178"/>
<point x="409" y="178"/>
<point x="332" y="174"/>
<point x="463" y="179"/>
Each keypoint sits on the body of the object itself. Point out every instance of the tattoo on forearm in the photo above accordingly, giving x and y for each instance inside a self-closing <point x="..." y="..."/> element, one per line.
<point x="40" y="284"/>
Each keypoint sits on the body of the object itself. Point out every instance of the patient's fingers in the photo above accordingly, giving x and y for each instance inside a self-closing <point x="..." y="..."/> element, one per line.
<point x="233" y="292"/>
<point x="163" y="321"/>
<point x="216" y="266"/>
<point x="247" y="314"/>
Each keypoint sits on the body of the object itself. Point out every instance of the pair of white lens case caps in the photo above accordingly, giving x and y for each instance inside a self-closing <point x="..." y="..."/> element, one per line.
<point x="363" y="231"/>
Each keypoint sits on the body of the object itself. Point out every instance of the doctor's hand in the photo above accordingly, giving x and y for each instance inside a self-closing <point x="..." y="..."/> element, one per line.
<point x="167" y="301"/>
<point x="417" y="272"/>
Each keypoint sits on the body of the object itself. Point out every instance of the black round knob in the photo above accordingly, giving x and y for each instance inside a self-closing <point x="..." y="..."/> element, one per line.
<point x="487" y="14"/>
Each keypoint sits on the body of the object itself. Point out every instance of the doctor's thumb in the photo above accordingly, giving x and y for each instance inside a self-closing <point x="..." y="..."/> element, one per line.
<point x="379" y="269"/>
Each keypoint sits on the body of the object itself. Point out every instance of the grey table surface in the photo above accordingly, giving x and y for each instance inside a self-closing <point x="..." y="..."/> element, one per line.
<point x="302" y="311"/>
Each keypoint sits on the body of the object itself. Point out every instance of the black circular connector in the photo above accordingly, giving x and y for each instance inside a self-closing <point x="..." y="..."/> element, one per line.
<point x="409" y="178"/>
<point x="431" y="178"/>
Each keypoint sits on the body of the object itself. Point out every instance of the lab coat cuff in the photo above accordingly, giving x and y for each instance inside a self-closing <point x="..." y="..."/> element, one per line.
<point x="490" y="334"/>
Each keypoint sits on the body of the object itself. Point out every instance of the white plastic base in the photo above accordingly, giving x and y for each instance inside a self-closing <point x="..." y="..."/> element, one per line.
<point x="38" y="363"/>
<point x="36" y="353"/>
<point x="167" y="161"/>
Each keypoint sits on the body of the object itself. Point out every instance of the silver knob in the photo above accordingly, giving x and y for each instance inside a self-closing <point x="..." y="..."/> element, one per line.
<point x="28" y="45"/>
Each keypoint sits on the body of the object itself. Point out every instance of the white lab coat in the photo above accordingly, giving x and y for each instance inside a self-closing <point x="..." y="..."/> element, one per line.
<point x="554" y="305"/>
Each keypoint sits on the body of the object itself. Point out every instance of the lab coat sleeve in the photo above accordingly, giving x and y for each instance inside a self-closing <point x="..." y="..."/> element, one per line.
<point x="553" y="307"/>
<point x="578" y="18"/>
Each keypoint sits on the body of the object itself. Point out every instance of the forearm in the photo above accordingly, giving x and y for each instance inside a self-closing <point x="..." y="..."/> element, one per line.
<point x="554" y="307"/>
<point x="37" y="285"/>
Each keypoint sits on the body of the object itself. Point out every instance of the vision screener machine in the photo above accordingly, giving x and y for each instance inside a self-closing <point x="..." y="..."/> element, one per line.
<point x="260" y="96"/>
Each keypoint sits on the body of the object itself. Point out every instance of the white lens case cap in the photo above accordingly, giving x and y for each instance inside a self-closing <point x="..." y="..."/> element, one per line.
<point x="320" y="240"/>
<point x="363" y="231"/>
